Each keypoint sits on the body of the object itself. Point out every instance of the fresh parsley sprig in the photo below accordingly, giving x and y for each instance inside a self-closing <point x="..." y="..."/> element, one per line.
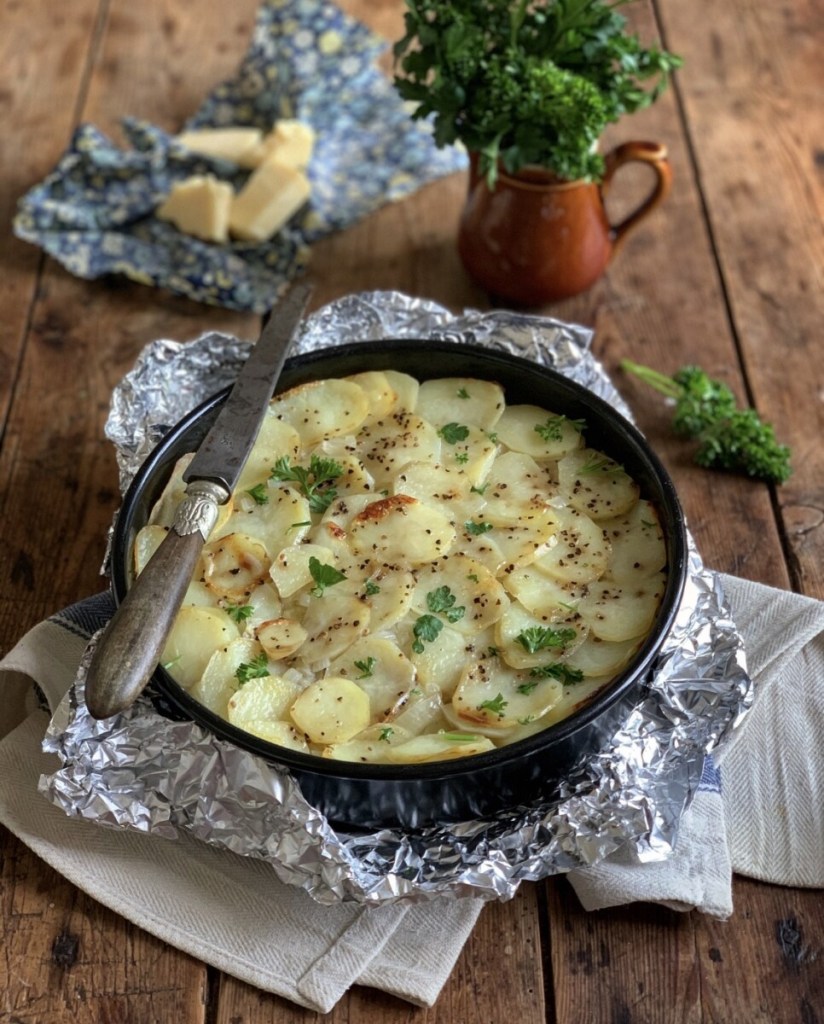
<point x="731" y="439"/>
<point x="323" y="575"/>
<point x="257" y="668"/>
<point x="442" y="601"/>
<point x="315" y="482"/>
<point x="540" y="638"/>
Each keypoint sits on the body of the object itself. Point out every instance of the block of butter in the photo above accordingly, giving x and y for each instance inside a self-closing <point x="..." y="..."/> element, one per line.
<point x="200" y="206"/>
<point x="273" y="193"/>
<point x="290" y="142"/>
<point x="240" y="145"/>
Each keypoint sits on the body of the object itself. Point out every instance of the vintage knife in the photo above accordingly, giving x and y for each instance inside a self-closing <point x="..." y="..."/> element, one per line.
<point x="129" y="649"/>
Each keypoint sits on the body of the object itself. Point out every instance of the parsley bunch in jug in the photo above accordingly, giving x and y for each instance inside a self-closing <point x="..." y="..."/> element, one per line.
<point x="522" y="82"/>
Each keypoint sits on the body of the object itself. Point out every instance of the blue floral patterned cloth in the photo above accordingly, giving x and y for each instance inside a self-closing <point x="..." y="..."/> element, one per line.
<point x="95" y="212"/>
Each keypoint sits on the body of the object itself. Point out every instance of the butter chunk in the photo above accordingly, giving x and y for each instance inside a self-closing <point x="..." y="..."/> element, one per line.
<point x="290" y="142"/>
<point x="269" y="198"/>
<point x="199" y="206"/>
<point x="240" y="145"/>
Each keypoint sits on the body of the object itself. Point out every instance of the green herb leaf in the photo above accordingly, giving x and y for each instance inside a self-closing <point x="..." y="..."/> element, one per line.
<point x="426" y="628"/>
<point x="553" y="429"/>
<point x="539" y="638"/>
<point x="443" y="600"/>
<point x="294" y="526"/>
<point x="372" y="588"/>
<point x="238" y="612"/>
<point x="314" y="482"/>
<point x="460" y="737"/>
<point x="366" y="667"/>
<point x="476" y="529"/>
<point x="462" y="458"/>
<point x="476" y="489"/>
<point x="257" y="668"/>
<point x="597" y="463"/>
<point x="386" y="733"/>
<point x="563" y="673"/>
<point x="463" y="393"/>
<point x="323" y="575"/>
<point x="260" y="493"/>
<point x="496" y="705"/>
<point x="454" y="432"/>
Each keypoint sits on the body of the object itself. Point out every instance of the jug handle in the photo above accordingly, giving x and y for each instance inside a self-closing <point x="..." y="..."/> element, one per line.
<point x="655" y="155"/>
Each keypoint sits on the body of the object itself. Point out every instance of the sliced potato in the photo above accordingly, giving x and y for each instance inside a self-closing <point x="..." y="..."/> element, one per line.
<point x="438" y="746"/>
<point x="596" y="485"/>
<point x="406" y="389"/>
<point x="477" y="403"/>
<point x="284" y="518"/>
<point x="324" y="408"/>
<point x="332" y="623"/>
<point x="471" y="455"/>
<point x="615" y="611"/>
<point x="195" y="636"/>
<point x="463" y="591"/>
<point x="369" y="745"/>
<point x="331" y="710"/>
<point x="383" y="398"/>
<point x="422" y="712"/>
<point x="380" y="668"/>
<point x="515" y="483"/>
<point x="491" y="693"/>
<point x="234" y="565"/>
<point x="263" y="699"/>
<point x="541" y="434"/>
<point x="276" y="439"/>
<point x="597" y="658"/>
<point x="581" y="552"/>
<point x="290" y="569"/>
<point x="442" y="662"/>
<point x="388" y="445"/>
<point x="280" y="638"/>
<point x="263" y="602"/>
<point x="547" y="599"/>
<point x="284" y="734"/>
<point x="219" y="681"/>
<point x="400" y="530"/>
<point x="637" y="542"/>
<point x="574" y="696"/>
<point x="522" y="540"/>
<point x="444" y="489"/>
<point x="392" y="598"/>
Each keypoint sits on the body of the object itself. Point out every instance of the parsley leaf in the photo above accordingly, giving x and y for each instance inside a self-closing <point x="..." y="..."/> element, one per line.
<point x="259" y="493"/>
<point x="443" y="600"/>
<point x="366" y="667"/>
<point x="454" y="432"/>
<point x="553" y="429"/>
<point x="427" y="627"/>
<point x="563" y="673"/>
<point x="496" y="705"/>
<point x="323" y="575"/>
<point x="597" y="463"/>
<point x="386" y="733"/>
<point x="372" y="588"/>
<point x="462" y="458"/>
<point x="476" y="529"/>
<point x="460" y="737"/>
<point x="537" y="638"/>
<point x="314" y="481"/>
<point x="257" y="668"/>
<point x="238" y="612"/>
<point x="463" y="393"/>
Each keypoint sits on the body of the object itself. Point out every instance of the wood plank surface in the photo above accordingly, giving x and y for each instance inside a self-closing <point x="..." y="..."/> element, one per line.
<point x="726" y="274"/>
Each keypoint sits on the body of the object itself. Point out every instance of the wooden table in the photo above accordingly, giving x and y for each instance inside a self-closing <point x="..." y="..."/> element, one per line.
<point x="727" y="274"/>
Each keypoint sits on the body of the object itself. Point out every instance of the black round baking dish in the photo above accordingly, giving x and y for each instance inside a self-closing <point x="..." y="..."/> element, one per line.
<point x="378" y="795"/>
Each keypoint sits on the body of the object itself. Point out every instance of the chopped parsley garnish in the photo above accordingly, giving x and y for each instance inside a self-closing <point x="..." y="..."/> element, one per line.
<point x="294" y="526"/>
<point x="314" y="481"/>
<point x="526" y="721"/>
<point x="366" y="667"/>
<point x="260" y="493"/>
<point x="476" y="529"/>
<point x="553" y="429"/>
<point x="462" y="458"/>
<point x="238" y="612"/>
<point x="460" y="737"/>
<point x="323" y="575"/>
<point x="454" y="432"/>
<point x="386" y="733"/>
<point x="473" y="576"/>
<point x="462" y="393"/>
<point x="493" y="652"/>
<point x="478" y="489"/>
<point x="426" y="628"/>
<point x="257" y="668"/>
<point x="538" y="638"/>
<point x="496" y="705"/>
<point x="493" y="437"/>
<point x="563" y="673"/>
<point x="599" y="464"/>
<point x="443" y="600"/>
<point x="372" y="588"/>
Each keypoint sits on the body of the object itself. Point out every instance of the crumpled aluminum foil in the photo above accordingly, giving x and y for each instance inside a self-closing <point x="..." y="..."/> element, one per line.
<point x="142" y="771"/>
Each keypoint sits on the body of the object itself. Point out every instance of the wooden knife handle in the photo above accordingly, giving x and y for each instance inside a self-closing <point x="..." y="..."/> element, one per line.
<point x="130" y="648"/>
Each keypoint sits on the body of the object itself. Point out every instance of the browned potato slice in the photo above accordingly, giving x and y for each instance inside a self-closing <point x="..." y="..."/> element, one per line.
<point x="491" y="693"/>
<point x="541" y="434"/>
<point x="477" y="403"/>
<point x="280" y="638"/>
<point x="401" y="531"/>
<point x="234" y="565"/>
<point x="195" y="636"/>
<point x="323" y="408"/>
<point x="331" y="710"/>
<point x="596" y="484"/>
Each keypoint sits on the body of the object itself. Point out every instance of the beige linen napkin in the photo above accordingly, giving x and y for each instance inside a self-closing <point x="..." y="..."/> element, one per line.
<point x="233" y="913"/>
<point x="769" y="823"/>
<point x="229" y="911"/>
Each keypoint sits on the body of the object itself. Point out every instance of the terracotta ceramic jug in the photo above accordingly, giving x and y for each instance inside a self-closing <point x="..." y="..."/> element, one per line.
<point x="535" y="238"/>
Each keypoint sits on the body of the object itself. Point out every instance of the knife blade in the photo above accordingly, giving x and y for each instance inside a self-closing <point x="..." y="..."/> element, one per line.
<point x="128" y="651"/>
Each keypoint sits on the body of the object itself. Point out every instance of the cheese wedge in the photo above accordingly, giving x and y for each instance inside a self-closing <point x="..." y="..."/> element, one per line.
<point x="290" y="142"/>
<point x="199" y="206"/>
<point x="272" y="195"/>
<point x="240" y="145"/>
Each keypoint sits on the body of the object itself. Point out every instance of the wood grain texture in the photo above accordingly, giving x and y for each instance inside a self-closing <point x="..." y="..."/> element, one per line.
<point x="727" y="273"/>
